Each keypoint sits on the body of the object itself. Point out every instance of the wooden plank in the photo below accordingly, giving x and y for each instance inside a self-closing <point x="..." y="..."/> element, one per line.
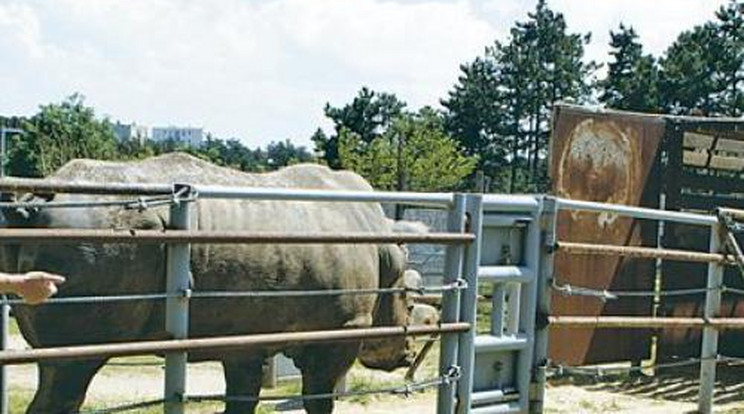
<point x="718" y="162"/>
<point x="730" y="145"/>
<point x="696" y="140"/>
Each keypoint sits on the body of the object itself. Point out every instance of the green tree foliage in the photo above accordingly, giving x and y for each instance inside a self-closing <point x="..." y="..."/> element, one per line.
<point x="473" y="114"/>
<point x="702" y="71"/>
<point x="57" y="134"/>
<point x="503" y="101"/>
<point x="368" y="115"/>
<point x="413" y="153"/>
<point x="632" y="77"/>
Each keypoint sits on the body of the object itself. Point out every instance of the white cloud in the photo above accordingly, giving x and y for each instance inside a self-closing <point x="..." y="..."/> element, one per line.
<point x="259" y="70"/>
<point x="262" y="70"/>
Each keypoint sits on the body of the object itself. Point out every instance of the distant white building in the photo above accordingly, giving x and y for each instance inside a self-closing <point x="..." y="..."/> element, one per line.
<point x="193" y="137"/>
<point x="131" y="132"/>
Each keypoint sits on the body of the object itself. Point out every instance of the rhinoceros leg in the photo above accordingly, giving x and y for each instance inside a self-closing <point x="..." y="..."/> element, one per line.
<point x="322" y="366"/>
<point x="62" y="386"/>
<point x="243" y="379"/>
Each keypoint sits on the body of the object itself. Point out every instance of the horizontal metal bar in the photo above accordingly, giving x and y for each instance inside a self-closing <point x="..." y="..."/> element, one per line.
<point x="502" y="220"/>
<point x="222" y="343"/>
<point x="36" y="185"/>
<point x="504" y="274"/>
<point x="55" y="235"/>
<point x="14" y="184"/>
<point x="489" y="343"/>
<point x="633" y="322"/>
<point x="510" y="202"/>
<point x="506" y="408"/>
<point x="641" y="252"/>
<point x="637" y="212"/>
<point x="494" y="396"/>
<point x="734" y="213"/>
<point x="287" y="194"/>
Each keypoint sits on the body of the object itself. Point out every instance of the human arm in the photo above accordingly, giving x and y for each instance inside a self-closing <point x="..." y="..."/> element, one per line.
<point x="34" y="287"/>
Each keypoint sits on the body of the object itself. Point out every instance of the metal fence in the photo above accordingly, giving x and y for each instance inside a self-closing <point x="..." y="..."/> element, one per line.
<point x="454" y="328"/>
<point x="500" y="245"/>
<point x="710" y="322"/>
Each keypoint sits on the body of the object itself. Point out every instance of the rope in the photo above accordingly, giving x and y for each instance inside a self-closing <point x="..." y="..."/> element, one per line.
<point x="405" y="390"/>
<point x="457" y="285"/>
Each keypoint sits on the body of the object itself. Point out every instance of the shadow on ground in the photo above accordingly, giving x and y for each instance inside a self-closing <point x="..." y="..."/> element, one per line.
<point x="678" y="384"/>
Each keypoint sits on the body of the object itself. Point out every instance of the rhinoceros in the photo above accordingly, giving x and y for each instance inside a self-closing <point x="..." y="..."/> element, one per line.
<point x="104" y="269"/>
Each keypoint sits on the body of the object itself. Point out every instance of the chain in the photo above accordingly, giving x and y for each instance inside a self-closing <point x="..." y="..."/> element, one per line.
<point x="457" y="285"/>
<point x="559" y="370"/>
<point x="452" y="375"/>
<point x="605" y="295"/>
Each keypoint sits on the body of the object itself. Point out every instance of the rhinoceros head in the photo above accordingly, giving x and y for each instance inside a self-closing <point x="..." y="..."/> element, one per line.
<point x="392" y="310"/>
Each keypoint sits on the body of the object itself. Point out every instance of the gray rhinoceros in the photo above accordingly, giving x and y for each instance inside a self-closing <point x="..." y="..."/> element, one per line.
<point x="104" y="269"/>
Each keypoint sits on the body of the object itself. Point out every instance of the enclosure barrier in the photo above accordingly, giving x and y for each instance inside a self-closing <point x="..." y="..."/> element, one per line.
<point x="222" y="343"/>
<point x="710" y="322"/>
<point x="178" y="239"/>
<point x="504" y="242"/>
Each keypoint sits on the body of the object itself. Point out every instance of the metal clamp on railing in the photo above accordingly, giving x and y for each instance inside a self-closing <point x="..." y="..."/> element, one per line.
<point x="453" y="374"/>
<point x="569" y="290"/>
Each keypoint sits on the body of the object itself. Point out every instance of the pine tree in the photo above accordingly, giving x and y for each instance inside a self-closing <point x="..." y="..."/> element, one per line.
<point x="541" y="63"/>
<point x="702" y="71"/>
<point x="368" y="115"/>
<point x="632" y="77"/>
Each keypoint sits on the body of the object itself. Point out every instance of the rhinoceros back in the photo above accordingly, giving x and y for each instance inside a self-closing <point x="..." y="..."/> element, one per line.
<point x="225" y="267"/>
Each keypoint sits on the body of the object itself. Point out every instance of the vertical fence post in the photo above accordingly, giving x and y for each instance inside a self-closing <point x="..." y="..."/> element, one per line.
<point x="548" y="219"/>
<point x="709" y="349"/>
<point x="466" y="342"/>
<point x="528" y="298"/>
<point x="451" y="304"/>
<point x="5" y="322"/>
<point x="178" y="276"/>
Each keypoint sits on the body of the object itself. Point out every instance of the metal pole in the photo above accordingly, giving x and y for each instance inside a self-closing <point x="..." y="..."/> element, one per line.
<point x="178" y="279"/>
<point x="224" y="343"/>
<point x="466" y="344"/>
<point x="52" y="236"/>
<point x="548" y="219"/>
<point x="4" y="308"/>
<point x="709" y="349"/>
<point x="451" y="305"/>
<point x="2" y="159"/>
<point x="5" y="322"/>
<point x="528" y="298"/>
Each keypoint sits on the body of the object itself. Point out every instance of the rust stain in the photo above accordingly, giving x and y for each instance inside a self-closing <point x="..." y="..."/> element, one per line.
<point x="605" y="158"/>
<point x="598" y="163"/>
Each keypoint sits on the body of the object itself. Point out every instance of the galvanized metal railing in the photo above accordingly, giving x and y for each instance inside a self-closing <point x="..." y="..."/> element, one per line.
<point x="710" y="322"/>
<point x="178" y="291"/>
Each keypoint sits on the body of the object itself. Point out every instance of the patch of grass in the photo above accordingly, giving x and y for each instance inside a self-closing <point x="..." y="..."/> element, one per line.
<point x="19" y="399"/>
<point x="13" y="327"/>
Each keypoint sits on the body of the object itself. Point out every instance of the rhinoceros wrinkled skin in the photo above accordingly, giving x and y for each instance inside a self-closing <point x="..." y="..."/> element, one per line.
<point x="95" y="269"/>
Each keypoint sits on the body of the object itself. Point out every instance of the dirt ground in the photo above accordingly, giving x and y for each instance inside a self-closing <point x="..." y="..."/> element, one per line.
<point x="125" y="381"/>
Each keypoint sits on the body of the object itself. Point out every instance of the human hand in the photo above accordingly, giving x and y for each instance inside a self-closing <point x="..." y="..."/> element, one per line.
<point x="35" y="287"/>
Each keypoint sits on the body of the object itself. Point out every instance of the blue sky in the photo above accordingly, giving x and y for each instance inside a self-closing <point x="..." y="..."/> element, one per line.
<point x="263" y="70"/>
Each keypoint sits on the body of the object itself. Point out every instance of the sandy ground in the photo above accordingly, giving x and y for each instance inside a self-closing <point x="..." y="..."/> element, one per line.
<point x="670" y="393"/>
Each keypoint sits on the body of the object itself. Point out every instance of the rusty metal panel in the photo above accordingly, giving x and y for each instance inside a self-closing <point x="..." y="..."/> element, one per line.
<point x="606" y="157"/>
